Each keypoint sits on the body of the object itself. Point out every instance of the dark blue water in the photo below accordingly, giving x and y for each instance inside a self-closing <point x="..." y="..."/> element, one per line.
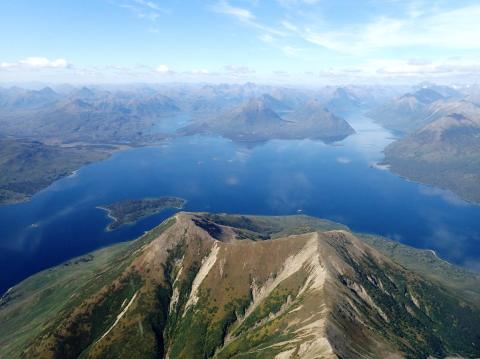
<point x="338" y="182"/>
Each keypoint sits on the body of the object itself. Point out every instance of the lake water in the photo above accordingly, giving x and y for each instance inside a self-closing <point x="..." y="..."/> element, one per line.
<point x="339" y="182"/>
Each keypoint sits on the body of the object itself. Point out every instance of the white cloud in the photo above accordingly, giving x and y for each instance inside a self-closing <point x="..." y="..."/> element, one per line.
<point x="290" y="3"/>
<point x="451" y="29"/>
<point x="163" y="69"/>
<point x="223" y="7"/>
<point x="290" y="50"/>
<point x="36" y="63"/>
<point x="148" y="4"/>
<point x="144" y="9"/>
<point x="448" y="29"/>
<point x="419" y="67"/>
<point x="289" y="26"/>
<point x="239" y="70"/>
<point x="200" y="72"/>
<point x="267" y="38"/>
<point x="245" y="16"/>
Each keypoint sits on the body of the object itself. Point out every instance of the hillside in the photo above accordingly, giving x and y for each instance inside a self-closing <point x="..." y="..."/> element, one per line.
<point x="85" y="115"/>
<point x="256" y="121"/>
<point x="444" y="153"/>
<point x="26" y="167"/>
<point x="202" y="285"/>
<point x="412" y="111"/>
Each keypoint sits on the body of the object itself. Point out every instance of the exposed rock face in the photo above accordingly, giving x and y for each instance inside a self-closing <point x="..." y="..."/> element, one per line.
<point x="233" y="286"/>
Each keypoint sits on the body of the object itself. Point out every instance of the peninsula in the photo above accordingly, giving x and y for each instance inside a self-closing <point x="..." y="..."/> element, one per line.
<point x="130" y="211"/>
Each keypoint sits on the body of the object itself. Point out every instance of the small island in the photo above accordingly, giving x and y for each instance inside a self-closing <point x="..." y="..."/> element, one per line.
<point x="130" y="211"/>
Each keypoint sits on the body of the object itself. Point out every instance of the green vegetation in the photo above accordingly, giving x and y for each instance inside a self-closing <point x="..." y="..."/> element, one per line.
<point x="426" y="263"/>
<point x="456" y="171"/>
<point x="206" y="285"/>
<point x="40" y="302"/>
<point x="27" y="167"/>
<point x="130" y="211"/>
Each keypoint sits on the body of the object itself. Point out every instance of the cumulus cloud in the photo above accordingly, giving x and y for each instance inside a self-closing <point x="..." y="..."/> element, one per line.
<point x="36" y="63"/>
<point x="163" y="69"/>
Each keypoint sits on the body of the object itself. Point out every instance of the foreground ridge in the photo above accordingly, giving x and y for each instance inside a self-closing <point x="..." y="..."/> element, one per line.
<point x="205" y="285"/>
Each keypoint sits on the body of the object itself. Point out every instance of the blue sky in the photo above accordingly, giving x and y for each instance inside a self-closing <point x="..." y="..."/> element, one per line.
<point x="272" y="41"/>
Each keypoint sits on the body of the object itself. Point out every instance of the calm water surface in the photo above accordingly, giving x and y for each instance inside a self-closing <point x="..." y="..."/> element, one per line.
<point x="340" y="182"/>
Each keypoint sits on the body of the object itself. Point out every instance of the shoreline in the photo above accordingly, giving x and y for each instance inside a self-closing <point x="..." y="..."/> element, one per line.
<point x="430" y="185"/>
<point x="109" y="215"/>
<point x="114" y="220"/>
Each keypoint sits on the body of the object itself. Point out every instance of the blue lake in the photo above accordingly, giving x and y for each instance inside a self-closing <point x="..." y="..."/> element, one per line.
<point x="340" y="182"/>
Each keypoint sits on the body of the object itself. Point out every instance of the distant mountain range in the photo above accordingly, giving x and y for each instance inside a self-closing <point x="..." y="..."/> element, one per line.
<point x="410" y="111"/>
<point x="50" y="120"/>
<point x="20" y="99"/>
<point x="256" y="121"/>
<point x="223" y="286"/>
<point x="343" y="101"/>
<point x="82" y="115"/>
<point x="255" y="113"/>
<point x="442" y="142"/>
<point x="444" y="153"/>
<point x="99" y="115"/>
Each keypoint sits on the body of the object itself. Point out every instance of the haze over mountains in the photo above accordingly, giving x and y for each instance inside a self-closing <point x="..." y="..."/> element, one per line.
<point x="129" y="116"/>
<point x="207" y="285"/>
<point x="240" y="179"/>
<point x="411" y="111"/>
<point x="74" y="117"/>
<point x="251" y="113"/>
<point x="256" y="121"/>
<point x="442" y="143"/>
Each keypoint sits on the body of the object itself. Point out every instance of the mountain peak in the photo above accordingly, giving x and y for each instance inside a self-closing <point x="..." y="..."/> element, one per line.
<point x="256" y="110"/>
<point x="427" y="95"/>
<point x="47" y="91"/>
<point x="83" y="93"/>
<point x="210" y="285"/>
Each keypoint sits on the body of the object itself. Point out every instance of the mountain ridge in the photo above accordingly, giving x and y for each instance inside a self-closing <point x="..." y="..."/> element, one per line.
<point x="256" y="121"/>
<point x="234" y="286"/>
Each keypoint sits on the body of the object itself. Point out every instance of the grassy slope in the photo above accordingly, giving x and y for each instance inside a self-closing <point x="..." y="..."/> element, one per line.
<point x="30" y="307"/>
<point x="130" y="211"/>
<point x="453" y="164"/>
<point x="427" y="264"/>
<point x="57" y="294"/>
<point x="445" y="153"/>
<point x="27" y="167"/>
